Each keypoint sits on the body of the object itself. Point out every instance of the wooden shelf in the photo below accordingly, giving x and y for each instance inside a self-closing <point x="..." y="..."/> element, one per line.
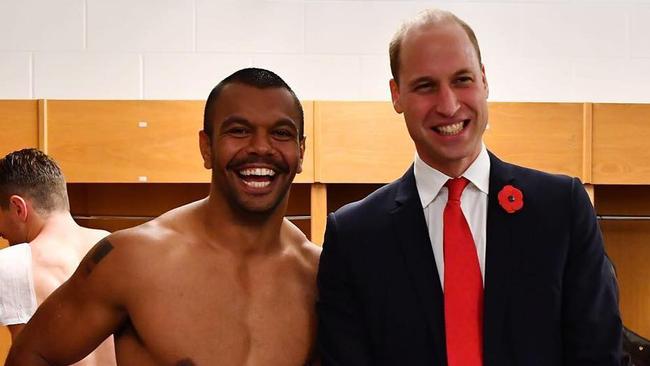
<point x="628" y="245"/>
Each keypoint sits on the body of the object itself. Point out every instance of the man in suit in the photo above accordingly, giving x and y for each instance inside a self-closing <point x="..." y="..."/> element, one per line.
<point x="465" y="260"/>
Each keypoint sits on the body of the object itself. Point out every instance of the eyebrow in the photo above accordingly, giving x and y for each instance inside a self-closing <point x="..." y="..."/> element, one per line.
<point x="421" y="79"/>
<point x="287" y="122"/>
<point x="464" y="71"/>
<point x="233" y="119"/>
<point x="430" y="79"/>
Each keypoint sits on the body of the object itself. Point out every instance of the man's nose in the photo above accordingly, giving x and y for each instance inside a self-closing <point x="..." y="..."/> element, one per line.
<point x="447" y="104"/>
<point x="260" y="143"/>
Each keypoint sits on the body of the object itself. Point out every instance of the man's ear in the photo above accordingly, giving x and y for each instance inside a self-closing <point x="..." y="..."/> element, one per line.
<point x="18" y="207"/>
<point x="302" y="153"/>
<point x="205" y="145"/>
<point x="394" y="94"/>
<point x="485" y="83"/>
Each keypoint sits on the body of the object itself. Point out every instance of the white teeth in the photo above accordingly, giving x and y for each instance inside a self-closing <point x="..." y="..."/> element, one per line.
<point x="452" y="129"/>
<point x="257" y="172"/>
<point x="257" y="184"/>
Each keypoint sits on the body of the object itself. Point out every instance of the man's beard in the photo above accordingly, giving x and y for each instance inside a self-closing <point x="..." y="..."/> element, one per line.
<point x="243" y="209"/>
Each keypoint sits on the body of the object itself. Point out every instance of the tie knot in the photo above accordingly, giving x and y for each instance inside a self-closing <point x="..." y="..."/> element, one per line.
<point x="456" y="187"/>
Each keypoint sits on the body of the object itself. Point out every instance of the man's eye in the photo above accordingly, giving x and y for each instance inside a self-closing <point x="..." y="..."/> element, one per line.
<point x="237" y="131"/>
<point x="423" y="87"/>
<point x="283" y="134"/>
<point x="463" y="80"/>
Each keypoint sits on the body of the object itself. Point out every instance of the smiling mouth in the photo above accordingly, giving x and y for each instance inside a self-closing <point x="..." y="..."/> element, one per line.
<point x="257" y="177"/>
<point x="451" y="129"/>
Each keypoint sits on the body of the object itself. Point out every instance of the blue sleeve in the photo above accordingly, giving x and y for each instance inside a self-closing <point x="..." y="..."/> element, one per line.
<point x="342" y="337"/>
<point x="591" y="322"/>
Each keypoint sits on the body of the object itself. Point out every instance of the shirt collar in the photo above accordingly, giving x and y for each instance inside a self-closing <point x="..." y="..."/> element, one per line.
<point x="430" y="181"/>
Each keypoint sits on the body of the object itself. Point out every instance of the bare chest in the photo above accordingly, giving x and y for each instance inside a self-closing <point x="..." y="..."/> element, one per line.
<point x="227" y="316"/>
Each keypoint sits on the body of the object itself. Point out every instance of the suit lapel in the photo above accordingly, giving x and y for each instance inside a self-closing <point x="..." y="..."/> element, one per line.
<point x="411" y="231"/>
<point x="499" y="259"/>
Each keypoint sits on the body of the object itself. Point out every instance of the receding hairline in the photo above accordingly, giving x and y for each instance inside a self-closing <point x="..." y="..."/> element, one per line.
<point x="427" y="19"/>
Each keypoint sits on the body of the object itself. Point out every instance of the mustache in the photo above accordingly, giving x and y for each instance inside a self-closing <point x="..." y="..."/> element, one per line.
<point x="278" y="165"/>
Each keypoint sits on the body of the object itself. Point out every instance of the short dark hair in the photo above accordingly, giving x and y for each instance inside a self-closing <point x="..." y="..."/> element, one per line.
<point x="429" y="17"/>
<point x="255" y="77"/>
<point x="32" y="174"/>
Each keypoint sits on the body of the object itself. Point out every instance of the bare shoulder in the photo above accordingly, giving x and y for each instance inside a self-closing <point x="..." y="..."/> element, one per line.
<point x="294" y="237"/>
<point x="156" y="240"/>
<point x="141" y="240"/>
<point x="95" y="235"/>
<point x="175" y="222"/>
<point x="88" y="237"/>
<point x="124" y="264"/>
<point x="127" y="248"/>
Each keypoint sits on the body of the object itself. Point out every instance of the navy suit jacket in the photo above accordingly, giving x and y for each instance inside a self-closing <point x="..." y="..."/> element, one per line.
<point x="550" y="297"/>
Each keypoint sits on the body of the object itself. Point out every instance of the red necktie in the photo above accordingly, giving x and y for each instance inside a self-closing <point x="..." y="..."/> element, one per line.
<point x="463" y="284"/>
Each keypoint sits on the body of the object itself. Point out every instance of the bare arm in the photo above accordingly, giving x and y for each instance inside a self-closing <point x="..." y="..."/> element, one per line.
<point x="77" y="317"/>
<point x="14" y="330"/>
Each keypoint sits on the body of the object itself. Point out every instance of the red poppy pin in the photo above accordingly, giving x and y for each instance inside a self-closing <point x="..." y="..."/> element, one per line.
<point x="511" y="199"/>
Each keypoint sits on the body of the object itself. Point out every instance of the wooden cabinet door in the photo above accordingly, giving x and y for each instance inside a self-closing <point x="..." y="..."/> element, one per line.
<point x="127" y="141"/>
<point x="621" y="144"/>
<point x="5" y="343"/>
<point x="360" y="142"/>
<point x="367" y="142"/>
<point x="135" y="141"/>
<point x="543" y="136"/>
<point x="18" y="125"/>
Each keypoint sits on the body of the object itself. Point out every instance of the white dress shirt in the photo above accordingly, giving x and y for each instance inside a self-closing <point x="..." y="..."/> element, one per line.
<point x="433" y="196"/>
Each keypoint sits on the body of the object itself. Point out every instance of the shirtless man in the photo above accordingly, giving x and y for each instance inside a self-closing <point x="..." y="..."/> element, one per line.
<point x="226" y="280"/>
<point x="46" y="244"/>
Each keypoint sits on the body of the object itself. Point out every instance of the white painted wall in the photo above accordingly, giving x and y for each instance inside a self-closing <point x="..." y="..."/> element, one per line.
<point x="545" y="50"/>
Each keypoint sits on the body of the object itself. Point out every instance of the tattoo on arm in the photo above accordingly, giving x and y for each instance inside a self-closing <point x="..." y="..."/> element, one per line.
<point x="185" y="362"/>
<point x="97" y="253"/>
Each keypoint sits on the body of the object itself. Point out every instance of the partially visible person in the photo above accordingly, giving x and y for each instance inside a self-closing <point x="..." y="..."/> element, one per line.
<point x="46" y="244"/>
<point x="226" y="280"/>
<point x="466" y="260"/>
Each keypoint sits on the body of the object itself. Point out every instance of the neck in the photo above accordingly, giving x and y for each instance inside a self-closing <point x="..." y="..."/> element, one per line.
<point x="451" y="168"/>
<point x="456" y="170"/>
<point x="54" y="223"/>
<point x="240" y="231"/>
